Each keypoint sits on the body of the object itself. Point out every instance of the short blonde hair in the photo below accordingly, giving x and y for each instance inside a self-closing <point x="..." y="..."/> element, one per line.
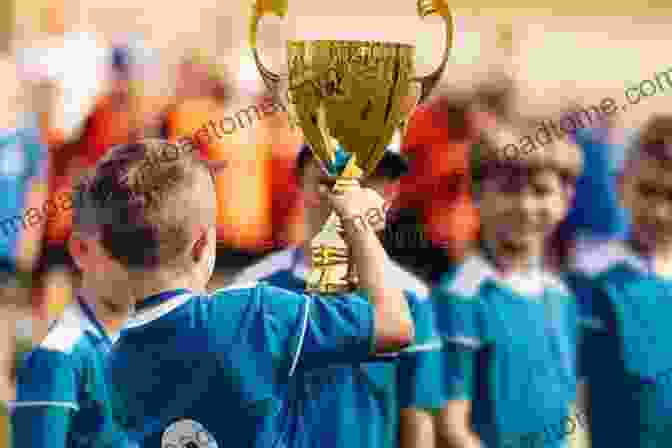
<point x="144" y="205"/>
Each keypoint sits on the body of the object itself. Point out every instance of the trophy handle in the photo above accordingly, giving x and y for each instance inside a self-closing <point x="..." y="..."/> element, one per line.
<point x="440" y="7"/>
<point x="259" y="9"/>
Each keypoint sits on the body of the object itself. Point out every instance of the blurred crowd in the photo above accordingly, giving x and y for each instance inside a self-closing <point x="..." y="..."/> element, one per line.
<point x="54" y="129"/>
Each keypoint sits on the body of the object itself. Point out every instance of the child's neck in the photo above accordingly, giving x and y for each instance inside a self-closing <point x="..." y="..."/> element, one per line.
<point x="144" y="289"/>
<point x="111" y="316"/>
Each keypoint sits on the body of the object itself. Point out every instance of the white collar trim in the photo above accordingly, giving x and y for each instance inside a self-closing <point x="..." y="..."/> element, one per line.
<point x="594" y="260"/>
<point x="476" y="269"/>
<point x="156" y="312"/>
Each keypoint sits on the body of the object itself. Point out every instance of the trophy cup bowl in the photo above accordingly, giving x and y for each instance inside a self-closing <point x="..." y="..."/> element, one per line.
<point x="349" y="98"/>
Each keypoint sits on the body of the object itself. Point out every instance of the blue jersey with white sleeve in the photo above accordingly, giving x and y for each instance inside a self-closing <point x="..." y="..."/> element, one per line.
<point x="223" y="362"/>
<point x="62" y="392"/>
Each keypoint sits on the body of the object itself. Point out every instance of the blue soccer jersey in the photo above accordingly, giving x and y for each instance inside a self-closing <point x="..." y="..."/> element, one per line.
<point x="510" y="348"/>
<point x="62" y="394"/>
<point x="225" y="362"/>
<point x="629" y="351"/>
<point x="23" y="158"/>
<point x="358" y="405"/>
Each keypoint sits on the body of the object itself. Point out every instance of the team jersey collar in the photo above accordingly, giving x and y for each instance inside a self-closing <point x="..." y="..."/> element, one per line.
<point x="91" y="322"/>
<point x="159" y="299"/>
<point x="155" y="306"/>
<point x="624" y="251"/>
<point x="10" y="132"/>
<point x="533" y="284"/>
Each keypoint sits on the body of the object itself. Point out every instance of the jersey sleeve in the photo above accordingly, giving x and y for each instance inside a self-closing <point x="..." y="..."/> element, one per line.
<point x="311" y="331"/>
<point x="461" y="325"/>
<point x="419" y="378"/>
<point x="46" y="400"/>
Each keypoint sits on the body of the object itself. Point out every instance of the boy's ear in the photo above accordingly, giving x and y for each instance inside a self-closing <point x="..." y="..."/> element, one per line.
<point x="391" y="191"/>
<point x="198" y="251"/>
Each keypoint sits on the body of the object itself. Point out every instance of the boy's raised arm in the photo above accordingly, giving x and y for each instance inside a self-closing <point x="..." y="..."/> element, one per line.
<point x="393" y="325"/>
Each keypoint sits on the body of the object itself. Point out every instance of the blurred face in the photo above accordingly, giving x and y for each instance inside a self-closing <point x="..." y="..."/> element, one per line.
<point x="121" y="86"/>
<point x="193" y="79"/>
<point x="520" y="211"/>
<point x="316" y="210"/>
<point x="646" y="190"/>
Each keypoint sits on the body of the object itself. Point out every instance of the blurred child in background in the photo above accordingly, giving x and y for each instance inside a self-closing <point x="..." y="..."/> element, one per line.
<point x="511" y="326"/>
<point x="626" y="283"/>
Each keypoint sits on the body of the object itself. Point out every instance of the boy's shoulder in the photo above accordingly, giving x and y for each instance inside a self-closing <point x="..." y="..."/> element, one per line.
<point x="68" y="335"/>
<point x="605" y="260"/>
<point x="253" y="295"/>
<point x="466" y="281"/>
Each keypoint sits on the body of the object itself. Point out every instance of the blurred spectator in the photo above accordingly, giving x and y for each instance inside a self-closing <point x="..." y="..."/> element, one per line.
<point x="200" y="112"/>
<point x="436" y="192"/>
<point x="115" y="118"/>
<point x="283" y="145"/>
<point x="73" y="62"/>
<point x="112" y="121"/>
<point x="23" y="163"/>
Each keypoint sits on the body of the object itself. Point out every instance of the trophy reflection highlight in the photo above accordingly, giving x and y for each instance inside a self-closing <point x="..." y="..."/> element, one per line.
<point x="349" y="98"/>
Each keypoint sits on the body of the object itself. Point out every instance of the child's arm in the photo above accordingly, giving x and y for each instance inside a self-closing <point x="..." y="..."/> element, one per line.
<point x="462" y="325"/>
<point x="393" y="325"/>
<point x="454" y="425"/>
<point x="419" y="380"/>
<point x="454" y="420"/>
<point x="42" y="414"/>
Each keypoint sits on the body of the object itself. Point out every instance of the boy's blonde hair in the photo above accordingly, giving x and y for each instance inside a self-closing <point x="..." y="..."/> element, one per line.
<point x="143" y="202"/>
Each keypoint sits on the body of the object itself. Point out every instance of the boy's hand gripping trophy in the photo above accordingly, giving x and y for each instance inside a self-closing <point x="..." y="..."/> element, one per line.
<point x="348" y="97"/>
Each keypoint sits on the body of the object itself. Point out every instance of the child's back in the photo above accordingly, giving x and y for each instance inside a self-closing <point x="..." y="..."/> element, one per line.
<point x="223" y="363"/>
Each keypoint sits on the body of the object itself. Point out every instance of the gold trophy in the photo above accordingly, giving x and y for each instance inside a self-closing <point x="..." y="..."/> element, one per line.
<point x="349" y="98"/>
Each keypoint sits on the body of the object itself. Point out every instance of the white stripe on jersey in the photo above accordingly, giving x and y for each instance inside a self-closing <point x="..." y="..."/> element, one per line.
<point x="472" y="343"/>
<point x="237" y="285"/>
<point x="432" y="346"/>
<point x="145" y="317"/>
<point x="299" y="347"/>
<point x="29" y="404"/>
